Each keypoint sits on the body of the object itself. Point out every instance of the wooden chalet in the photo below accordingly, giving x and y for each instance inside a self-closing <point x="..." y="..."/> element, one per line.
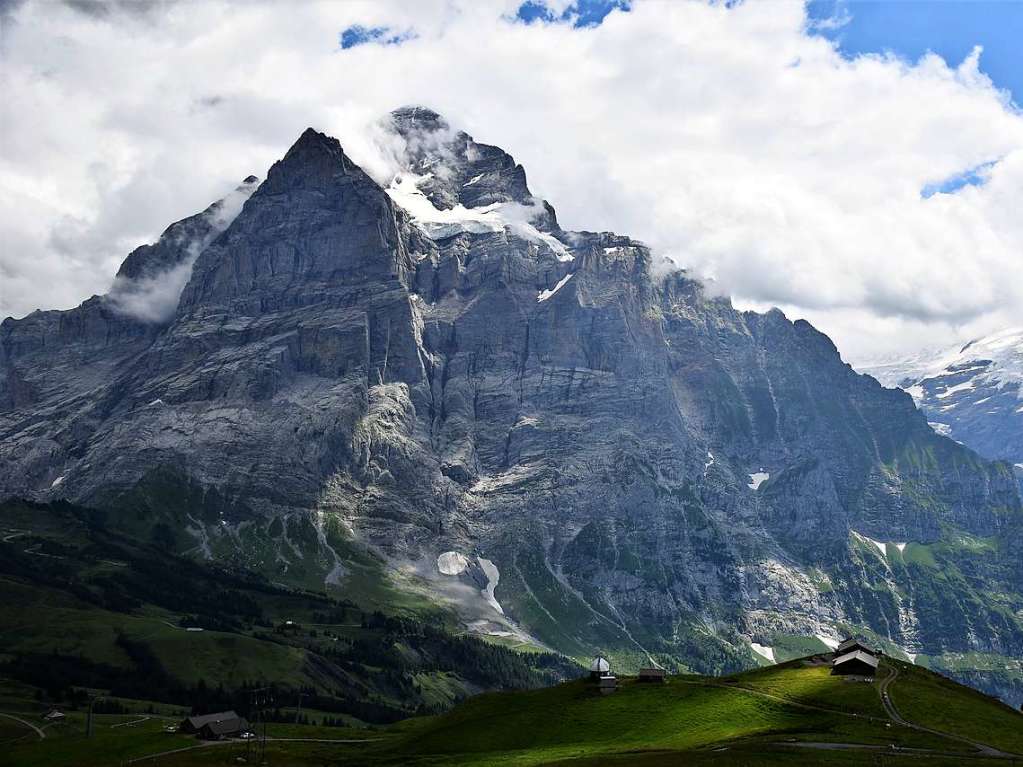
<point x="856" y="663"/>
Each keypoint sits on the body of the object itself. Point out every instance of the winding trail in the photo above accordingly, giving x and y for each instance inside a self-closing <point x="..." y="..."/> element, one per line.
<point x="782" y="699"/>
<point x="214" y="743"/>
<point x="889" y="706"/>
<point x="39" y="732"/>
<point x="983" y="749"/>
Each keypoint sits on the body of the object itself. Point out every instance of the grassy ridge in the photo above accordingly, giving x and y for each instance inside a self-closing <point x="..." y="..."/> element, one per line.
<point x="939" y="703"/>
<point x="756" y="718"/>
<point x="749" y="719"/>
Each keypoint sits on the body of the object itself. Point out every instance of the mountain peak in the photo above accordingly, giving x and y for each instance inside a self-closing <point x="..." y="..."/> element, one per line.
<point x="456" y="170"/>
<point x="314" y="161"/>
<point x="313" y="143"/>
<point x="409" y="118"/>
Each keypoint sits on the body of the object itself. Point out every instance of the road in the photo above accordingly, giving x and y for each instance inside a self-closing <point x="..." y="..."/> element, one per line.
<point x="889" y="706"/>
<point x="984" y="750"/>
<point x="39" y="732"/>
<point x="212" y="743"/>
<point x="786" y="701"/>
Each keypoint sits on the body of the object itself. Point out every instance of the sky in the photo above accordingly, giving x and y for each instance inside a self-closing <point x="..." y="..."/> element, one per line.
<point x="856" y="164"/>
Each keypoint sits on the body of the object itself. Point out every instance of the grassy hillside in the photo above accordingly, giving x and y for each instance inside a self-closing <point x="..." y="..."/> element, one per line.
<point x="794" y="713"/>
<point x="87" y="608"/>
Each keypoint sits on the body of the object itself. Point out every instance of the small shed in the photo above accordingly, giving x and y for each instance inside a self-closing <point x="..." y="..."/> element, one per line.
<point x="857" y="662"/>
<point x="607" y="684"/>
<point x="599" y="666"/>
<point x="55" y="716"/>
<point x="654" y="675"/>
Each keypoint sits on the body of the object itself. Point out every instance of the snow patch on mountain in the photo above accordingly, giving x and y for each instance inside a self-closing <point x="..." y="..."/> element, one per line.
<point x="763" y="651"/>
<point x="439" y="223"/>
<point x="832" y="644"/>
<point x="881" y="547"/>
<point x="543" y="295"/>
<point x="757" y="478"/>
<point x="493" y="578"/>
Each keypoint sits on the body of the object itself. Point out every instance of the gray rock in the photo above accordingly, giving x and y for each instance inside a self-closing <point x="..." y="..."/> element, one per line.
<point x="647" y="470"/>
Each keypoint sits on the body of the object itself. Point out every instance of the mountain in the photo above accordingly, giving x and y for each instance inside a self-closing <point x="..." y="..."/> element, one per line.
<point x="430" y="388"/>
<point x="972" y="393"/>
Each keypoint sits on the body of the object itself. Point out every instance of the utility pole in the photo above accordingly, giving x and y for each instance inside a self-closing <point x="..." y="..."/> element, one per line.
<point x="299" y="712"/>
<point x="88" y="721"/>
<point x="262" y="698"/>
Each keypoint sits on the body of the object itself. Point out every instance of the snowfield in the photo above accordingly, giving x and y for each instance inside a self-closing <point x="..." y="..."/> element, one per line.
<point x="756" y="479"/>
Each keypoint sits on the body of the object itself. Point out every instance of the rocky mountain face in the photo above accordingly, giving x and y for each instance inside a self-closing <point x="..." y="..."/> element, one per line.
<point x="427" y="390"/>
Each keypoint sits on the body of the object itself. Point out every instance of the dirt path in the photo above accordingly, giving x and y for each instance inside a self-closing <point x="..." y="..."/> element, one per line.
<point x="889" y="706"/>
<point x="212" y="743"/>
<point x="893" y="714"/>
<point x="786" y="701"/>
<point x="39" y="732"/>
<point x="827" y="746"/>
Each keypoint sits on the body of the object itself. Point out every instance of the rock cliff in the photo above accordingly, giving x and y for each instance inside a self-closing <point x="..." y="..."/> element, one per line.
<point x="430" y="388"/>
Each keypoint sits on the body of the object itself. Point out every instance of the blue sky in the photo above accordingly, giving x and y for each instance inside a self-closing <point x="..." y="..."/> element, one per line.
<point x="950" y="28"/>
<point x="583" y="13"/>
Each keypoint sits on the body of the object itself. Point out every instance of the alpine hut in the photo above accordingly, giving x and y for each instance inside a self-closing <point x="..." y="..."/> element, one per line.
<point x="857" y="662"/>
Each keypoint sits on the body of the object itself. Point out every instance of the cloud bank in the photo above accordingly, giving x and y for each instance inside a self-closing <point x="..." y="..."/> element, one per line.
<point x="731" y="137"/>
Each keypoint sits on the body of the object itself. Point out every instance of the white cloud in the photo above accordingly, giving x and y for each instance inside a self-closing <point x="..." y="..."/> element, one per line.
<point x="154" y="298"/>
<point x="730" y="138"/>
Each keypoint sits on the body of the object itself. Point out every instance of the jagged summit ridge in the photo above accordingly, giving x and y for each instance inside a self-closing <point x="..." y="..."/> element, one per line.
<point x="317" y="220"/>
<point x="453" y="169"/>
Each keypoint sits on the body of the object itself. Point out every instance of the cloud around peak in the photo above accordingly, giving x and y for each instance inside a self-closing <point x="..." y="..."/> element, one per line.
<point x="731" y="137"/>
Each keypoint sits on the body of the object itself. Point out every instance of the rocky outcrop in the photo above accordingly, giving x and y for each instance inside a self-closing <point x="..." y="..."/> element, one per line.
<point x="436" y="372"/>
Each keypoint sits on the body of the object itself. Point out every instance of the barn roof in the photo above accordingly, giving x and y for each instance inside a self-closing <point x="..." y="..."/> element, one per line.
<point x="850" y="644"/>
<point x="198" y="722"/>
<point x="866" y="657"/>
<point x="225" y="726"/>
